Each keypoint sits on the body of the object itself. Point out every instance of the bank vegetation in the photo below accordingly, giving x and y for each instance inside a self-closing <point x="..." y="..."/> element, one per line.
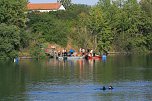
<point x="109" y="26"/>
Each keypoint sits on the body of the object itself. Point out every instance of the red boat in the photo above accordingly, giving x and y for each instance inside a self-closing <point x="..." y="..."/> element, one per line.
<point x="94" y="57"/>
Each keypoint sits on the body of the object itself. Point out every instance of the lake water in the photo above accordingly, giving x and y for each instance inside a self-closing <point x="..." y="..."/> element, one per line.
<point x="77" y="80"/>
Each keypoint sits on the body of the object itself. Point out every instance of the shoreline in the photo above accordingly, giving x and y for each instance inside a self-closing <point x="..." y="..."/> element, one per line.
<point x="25" y="57"/>
<point x="109" y="53"/>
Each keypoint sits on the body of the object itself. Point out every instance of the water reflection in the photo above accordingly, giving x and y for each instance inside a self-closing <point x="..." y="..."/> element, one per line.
<point x="75" y="70"/>
<point x="78" y="79"/>
<point x="12" y="81"/>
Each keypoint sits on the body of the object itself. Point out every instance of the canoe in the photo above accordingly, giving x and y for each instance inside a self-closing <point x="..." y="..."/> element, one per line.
<point x="75" y="57"/>
<point x="94" y="57"/>
<point x="70" y="58"/>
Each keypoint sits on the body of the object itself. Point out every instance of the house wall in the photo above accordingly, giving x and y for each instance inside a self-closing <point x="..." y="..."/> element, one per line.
<point x="42" y="10"/>
<point x="46" y="10"/>
<point x="61" y="7"/>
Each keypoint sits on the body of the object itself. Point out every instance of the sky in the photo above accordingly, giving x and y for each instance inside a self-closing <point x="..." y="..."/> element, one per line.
<point x="88" y="2"/>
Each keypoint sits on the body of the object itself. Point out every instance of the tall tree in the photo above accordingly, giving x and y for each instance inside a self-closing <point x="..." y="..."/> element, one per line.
<point x="13" y="12"/>
<point x="12" y="19"/>
<point x="147" y="7"/>
<point x="95" y="24"/>
<point x="65" y="3"/>
<point x="9" y="41"/>
<point x="81" y="34"/>
<point x="104" y="3"/>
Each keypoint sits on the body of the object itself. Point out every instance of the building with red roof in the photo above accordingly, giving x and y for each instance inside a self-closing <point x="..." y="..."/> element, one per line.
<point x="45" y="7"/>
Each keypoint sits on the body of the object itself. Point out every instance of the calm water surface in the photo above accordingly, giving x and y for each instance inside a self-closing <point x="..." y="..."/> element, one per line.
<point x="77" y="80"/>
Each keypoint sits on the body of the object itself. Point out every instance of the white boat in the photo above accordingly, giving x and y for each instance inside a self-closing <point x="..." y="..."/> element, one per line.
<point x="70" y="58"/>
<point x="75" y="57"/>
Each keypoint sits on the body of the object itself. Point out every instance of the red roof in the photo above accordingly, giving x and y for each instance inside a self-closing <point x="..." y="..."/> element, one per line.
<point x="43" y="6"/>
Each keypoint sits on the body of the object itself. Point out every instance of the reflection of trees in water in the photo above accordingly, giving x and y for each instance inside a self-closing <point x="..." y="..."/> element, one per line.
<point x="123" y="67"/>
<point x="76" y="69"/>
<point x="12" y="82"/>
<point x="13" y="77"/>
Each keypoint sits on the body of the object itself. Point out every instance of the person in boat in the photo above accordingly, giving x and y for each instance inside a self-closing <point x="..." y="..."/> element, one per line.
<point x="86" y="56"/>
<point x="103" y="88"/>
<point x="65" y="53"/>
<point x="71" y="51"/>
<point x="59" y="53"/>
<point x="16" y="60"/>
<point x="94" y="54"/>
<point x="80" y="50"/>
<point x="83" y="52"/>
<point x="91" y="53"/>
<point x="110" y="87"/>
<point x="104" y="57"/>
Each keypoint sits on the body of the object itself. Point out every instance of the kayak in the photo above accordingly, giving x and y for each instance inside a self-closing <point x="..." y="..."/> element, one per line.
<point x="75" y="57"/>
<point x="70" y="58"/>
<point x="94" y="57"/>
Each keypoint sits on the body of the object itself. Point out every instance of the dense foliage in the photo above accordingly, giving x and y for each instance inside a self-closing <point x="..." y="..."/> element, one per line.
<point x="52" y="30"/>
<point x="9" y="41"/>
<point x="12" y="12"/>
<point x="12" y="21"/>
<point x="122" y="26"/>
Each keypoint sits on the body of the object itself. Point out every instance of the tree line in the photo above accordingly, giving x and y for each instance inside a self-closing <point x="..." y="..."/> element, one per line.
<point x="120" y="26"/>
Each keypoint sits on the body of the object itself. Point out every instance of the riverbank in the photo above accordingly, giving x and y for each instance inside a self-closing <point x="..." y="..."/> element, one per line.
<point x="109" y="53"/>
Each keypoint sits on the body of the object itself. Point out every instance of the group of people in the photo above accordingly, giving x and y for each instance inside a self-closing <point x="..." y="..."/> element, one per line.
<point x="81" y="52"/>
<point x="88" y="52"/>
<point x="63" y="53"/>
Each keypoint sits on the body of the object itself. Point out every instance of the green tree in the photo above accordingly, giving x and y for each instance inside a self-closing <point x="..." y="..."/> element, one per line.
<point x="110" y="25"/>
<point x="105" y="39"/>
<point x="25" y="37"/>
<point x="147" y="7"/>
<point x="12" y="12"/>
<point x="65" y="3"/>
<point x="95" y="24"/>
<point x="72" y="13"/>
<point x="149" y="41"/>
<point x="129" y="24"/>
<point x="104" y="3"/>
<point x="80" y="35"/>
<point x="37" y="45"/>
<point x="52" y="29"/>
<point x="12" y="18"/>
<point x="135" y="28"/>
<point x="9" y="41"/>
